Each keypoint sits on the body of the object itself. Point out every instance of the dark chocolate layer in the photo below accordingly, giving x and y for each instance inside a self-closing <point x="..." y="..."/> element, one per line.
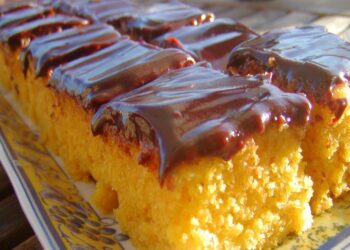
<point x="306" y="59"/>
<point x="24" y="15"/>
<point x="62" y="47"/>
<point x="126" y="65"/>
<point x="21" y="35"/>
<point x="15" y="6"/>
<point x="198" y="111"/>
<point x="114" y="12"/>
<point x="211" y="41"/>
<point x="164" y="17"/>
<point x="12" y="6"/>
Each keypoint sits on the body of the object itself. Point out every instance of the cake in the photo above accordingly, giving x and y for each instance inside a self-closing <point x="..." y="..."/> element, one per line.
<point x="186" y="156"/>
<point x="140" y="23"/>
<point x="114" y="12"/>
<point x="313" y="61"/>
<point x="211" y="41"/>
<point x="13" y="37"/>
<point x="167" y="25"/>
<point x="159" y="18"/>
<point x="49" y="51"/>
<point x="218" y="171"/>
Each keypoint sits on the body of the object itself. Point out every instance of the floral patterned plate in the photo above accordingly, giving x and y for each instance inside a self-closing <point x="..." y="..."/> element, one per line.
<point x="58" y="207"/>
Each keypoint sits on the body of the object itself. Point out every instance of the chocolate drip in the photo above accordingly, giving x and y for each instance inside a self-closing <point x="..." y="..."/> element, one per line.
<point x="212" y="41"/>
<point x="68" y="45"/>
<point x="115" y="70"/>
<point x="140" y="23"/>
<point x="21" y="35"/>
<point x="114" y="12"/>
<point x="198" y="111"/>
<point x="24" y="15"/>
<point x="15" y="6"/>
<point x="164" y="17"/>
<point x="306" y="59"/>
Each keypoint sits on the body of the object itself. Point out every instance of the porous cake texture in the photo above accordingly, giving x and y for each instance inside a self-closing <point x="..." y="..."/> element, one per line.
<point x="313" y="61"/>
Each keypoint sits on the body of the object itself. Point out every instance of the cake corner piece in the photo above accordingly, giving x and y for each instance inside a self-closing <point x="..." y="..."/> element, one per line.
<point x="295" y="57"/>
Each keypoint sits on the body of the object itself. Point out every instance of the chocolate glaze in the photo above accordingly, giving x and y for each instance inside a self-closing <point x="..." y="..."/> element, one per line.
<point x="68" y="45"/>
<point x="305" y="59"/>
<point x="210" y="41"/>
<point x="21" y="35"/>
<point x="126" y="65"/>
<point x="15" y="6"/>
<point x="164" y="17"/>
<point x="114" y="12"/>
<point x="198" y="111"/>
<point x="24" y="15"/>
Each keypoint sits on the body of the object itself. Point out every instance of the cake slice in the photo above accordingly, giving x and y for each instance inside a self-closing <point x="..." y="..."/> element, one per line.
<point x="211" y="41"/>
<point x="160" y="18"/>
<point x="114" y="12"/>
<point x="20" y="26"/>
<point x="126" y="65"/>
<point x="205" y="160"/>
<point x="15" y="16"/>
<point x="312" y="61"/>
<point x="16" y="5"/>
<point x="49" y="51"/>
<point x="20" y="36"/>
<point x="141" y="22"/>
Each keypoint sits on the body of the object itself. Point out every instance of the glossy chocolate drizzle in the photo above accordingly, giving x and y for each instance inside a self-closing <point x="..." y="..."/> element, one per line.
<point x="114" y="12"/>
<point x="198" y="111"/>
<point x="126" y="65"/>
<point x="138" y="22"/>
<point x="21" y="35"/>
<point x="21" y="16"/>
<point x="164" y="17"/>
<point x="62" y="47"/>
<point x="305" y="59"/>
<point x="12" y="6"/>
<point x="211" y="41"/>
<point x="15" y="6"/>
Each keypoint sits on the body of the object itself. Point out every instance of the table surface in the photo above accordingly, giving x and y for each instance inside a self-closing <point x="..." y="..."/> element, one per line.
<point x="263" y="15"/>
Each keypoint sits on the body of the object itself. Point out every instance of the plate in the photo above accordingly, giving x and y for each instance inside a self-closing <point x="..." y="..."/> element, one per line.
<point x="61" y="215"/>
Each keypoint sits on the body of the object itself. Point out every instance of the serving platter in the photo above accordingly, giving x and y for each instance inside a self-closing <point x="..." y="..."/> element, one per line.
<point x="61" y="215"/>
<point x="56" y="206"/>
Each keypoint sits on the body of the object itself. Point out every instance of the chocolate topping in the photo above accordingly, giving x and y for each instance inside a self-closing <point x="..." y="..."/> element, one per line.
<point x="21" y="35"/>
<point x="126" y="65"/>
<point x="198" y="111"/>
<point x="15" y="6"/>
<point x="141" y="23"/>
<point x="164" y="17"/>
<point x="68" y="45"/>
<point x="24" y="15"/>
<point x="115" y="12"/>
<point x="210" y="41"/>
<point x="306" y="59"/>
